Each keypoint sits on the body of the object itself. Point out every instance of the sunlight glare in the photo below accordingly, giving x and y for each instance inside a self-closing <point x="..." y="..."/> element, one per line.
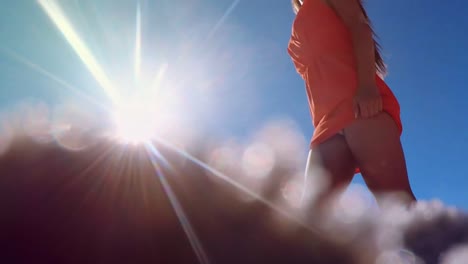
<point x="138" y="43"/>
<point x="135" y="122"/>
<point x="178" y="209"/>
<point x="57" y="16"/>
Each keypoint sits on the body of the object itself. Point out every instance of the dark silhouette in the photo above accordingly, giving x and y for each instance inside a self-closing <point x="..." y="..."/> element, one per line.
<point x="107" y="204"/>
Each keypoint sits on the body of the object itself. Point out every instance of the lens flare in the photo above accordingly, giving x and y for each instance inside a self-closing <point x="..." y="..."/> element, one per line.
<point x="55" y="13"/>
<point x="138" y="43"/>
<point x="135" y="122"/>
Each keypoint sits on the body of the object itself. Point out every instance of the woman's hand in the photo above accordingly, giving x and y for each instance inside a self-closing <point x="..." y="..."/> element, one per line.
<point x="367" y="102"/>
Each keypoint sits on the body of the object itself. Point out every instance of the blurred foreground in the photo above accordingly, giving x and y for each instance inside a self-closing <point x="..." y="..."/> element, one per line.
<point x="105" y="202"/>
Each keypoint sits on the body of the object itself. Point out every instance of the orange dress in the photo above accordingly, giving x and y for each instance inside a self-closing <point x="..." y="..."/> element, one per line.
<point x="322" y="51"/>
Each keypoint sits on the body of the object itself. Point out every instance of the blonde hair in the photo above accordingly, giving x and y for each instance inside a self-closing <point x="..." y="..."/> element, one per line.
<point x="296" y="5"/>
<point x="379" y="63"/>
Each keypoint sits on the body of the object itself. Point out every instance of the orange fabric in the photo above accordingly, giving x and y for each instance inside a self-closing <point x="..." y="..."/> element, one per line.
<point x="322" y="51"/>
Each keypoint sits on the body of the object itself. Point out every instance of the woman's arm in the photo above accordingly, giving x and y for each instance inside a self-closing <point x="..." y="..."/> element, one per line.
<point x="351" y="14"/>
<point x="369" y="101"/>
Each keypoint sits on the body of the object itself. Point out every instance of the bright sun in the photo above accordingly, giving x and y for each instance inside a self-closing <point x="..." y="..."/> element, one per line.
<point x="135" y="123"/>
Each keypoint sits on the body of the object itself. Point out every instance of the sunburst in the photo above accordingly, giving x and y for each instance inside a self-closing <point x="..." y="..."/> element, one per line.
<point x="135" y="116"/>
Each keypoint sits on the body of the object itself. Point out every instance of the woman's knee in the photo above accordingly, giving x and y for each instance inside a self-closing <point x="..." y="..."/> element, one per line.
<point x="390" y="199"/>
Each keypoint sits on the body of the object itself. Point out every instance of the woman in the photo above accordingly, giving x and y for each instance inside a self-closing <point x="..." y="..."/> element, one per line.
<point x="355" y="114"/>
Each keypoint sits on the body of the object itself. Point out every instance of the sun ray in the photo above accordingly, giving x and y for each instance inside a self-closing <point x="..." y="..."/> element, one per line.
<point x="184" y="221"/>
<point x="138" y="43"/>
<point x="158" y="155"/>
<point x="223" y="18"/>
<point x="53" y="10"/>
<point x="51" y="76"/>
<point x="239" y="186"/>
<point x="98" y="161"/>
<point x="155" y="87"/>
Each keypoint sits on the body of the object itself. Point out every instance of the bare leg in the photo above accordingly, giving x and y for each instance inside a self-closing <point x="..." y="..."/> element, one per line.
<point x="375" y="144"/>
<point x="334" y="160"/>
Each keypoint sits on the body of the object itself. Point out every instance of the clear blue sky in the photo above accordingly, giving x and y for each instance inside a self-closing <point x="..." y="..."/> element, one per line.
<point x="234" y="68"/>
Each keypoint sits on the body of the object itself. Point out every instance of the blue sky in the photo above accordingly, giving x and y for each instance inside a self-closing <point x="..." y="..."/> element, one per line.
<point x="228" y="59"/>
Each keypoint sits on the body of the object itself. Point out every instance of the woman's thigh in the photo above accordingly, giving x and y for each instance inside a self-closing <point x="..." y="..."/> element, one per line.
<point x="332" y="161"/>
<point x="376" y="147"/>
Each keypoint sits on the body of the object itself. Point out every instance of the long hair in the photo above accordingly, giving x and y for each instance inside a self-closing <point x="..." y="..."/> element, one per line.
<point x="379" y="62"/>
<point x="296" y="5"/>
